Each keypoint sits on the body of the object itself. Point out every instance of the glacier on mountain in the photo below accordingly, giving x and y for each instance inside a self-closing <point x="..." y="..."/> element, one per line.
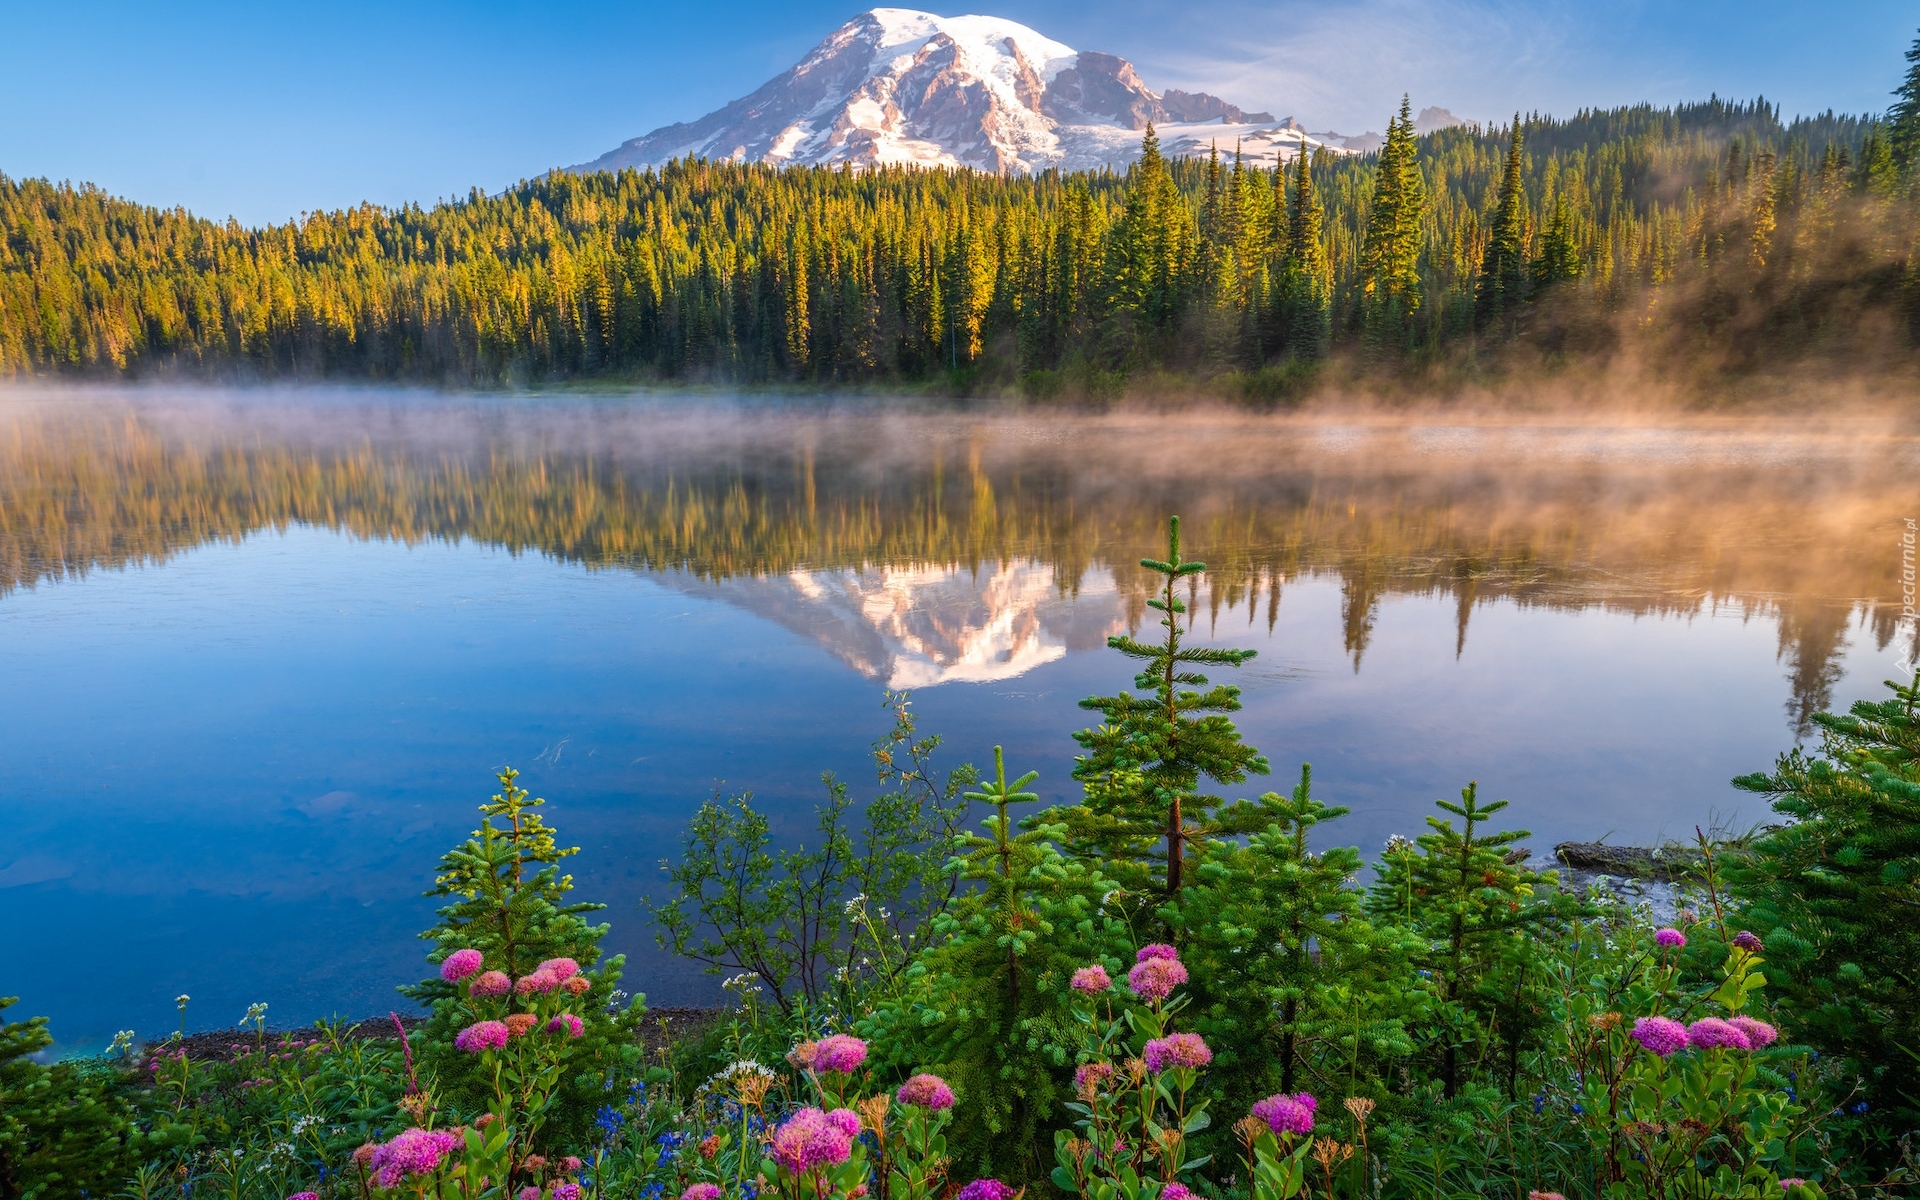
<point x="899" y="86"/>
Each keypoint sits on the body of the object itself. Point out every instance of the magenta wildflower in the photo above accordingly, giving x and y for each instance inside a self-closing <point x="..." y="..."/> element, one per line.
<point x="1176" y="1050"/>
<point x="1672" y="939"/>
<point x="1091" y="1074"/>
<point x="1759" y="1033"/>
<point x="811" y="1138"/>
<point x="1791" y="1182"/>
<point x="561" y="969"/>
<point x="530" y="1192"/>
<point x="1091" y="980"/>
<point x="413" y="1152"/>
<point x="926" y="1091"/>
<point x="566" y="1191"/>
<point x="481" y="1035"/>
<point x="1154" y="979"/>
<point x="1287" y="1114"/>
<point x="1749" y="941"/>
<point x="304" y="1196"/>
<point x="1156" y="950"/>
<point x="1661" y="1035"/>
<point x="1176" y="1191"/>
<point x="702" y="1191"/>
<point x="839" y="1052"/>
<point x="987" y="1189"/>
<point x="491" y="983"/>
<point x="568" y="1024"/>
<point x="539" y="981"/>
<point x="1710" y="1033"/>
<point x="459" y="965"/>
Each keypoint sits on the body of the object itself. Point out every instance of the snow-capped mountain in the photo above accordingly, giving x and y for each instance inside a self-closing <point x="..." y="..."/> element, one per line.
<point x="898" y="86"/>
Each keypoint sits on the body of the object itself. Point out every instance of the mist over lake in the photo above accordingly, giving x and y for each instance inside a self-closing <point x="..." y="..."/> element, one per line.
<point x="267" y="648"/>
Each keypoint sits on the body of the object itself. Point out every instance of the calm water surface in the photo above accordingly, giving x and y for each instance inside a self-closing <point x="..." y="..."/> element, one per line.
<point x="264" y="651"/>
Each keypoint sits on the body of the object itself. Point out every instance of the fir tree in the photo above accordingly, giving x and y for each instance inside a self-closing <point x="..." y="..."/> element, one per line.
<point x="1559" y="260"/>
<point x="1833" y="895"/>
<point x="65" y="1130"/>
<point x="1903" y="119"/>
<point x="985" y="1004"/>
<point x="508" y="900"/>
<point x="1291" y="979"/>
<point x="1144" y="765"/>
<point x="1390" y="257"/>
<point x="1303" y="288"/>
<point x="1502" y="285"/>
<point x="1472" y="909"/>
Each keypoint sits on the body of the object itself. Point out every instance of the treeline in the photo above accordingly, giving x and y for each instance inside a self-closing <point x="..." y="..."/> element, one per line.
<point x="1711" y="233"/>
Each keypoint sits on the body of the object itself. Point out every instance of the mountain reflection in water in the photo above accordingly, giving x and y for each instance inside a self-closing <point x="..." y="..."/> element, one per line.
<point x="265" y="648"/>
<point x="923" y="549"/>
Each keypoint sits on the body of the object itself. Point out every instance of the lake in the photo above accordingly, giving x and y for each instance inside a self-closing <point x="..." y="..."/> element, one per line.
<point x="264" y="650"/>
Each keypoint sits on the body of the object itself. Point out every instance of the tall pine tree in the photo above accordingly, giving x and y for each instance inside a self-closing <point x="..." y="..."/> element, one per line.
<point x="1390" y="257"/>
<point x="1502" y="285"/>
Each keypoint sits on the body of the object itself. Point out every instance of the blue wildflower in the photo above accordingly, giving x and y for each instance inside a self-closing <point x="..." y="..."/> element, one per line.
<point x="609" y="1119"/>
<point x="1539" y="1102"/>
<point x="1577" y="1110"/>
<point x="1860" y="1108"/>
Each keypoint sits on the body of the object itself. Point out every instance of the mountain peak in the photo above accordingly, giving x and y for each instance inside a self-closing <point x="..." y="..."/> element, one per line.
<point x="897" y="85"/>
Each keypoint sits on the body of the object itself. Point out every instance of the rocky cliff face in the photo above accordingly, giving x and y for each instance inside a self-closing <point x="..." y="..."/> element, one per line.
<point x="901" y="86"/>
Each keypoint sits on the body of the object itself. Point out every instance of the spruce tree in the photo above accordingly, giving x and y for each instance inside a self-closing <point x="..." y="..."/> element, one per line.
<point x="1903" y="119"/>
<point x="1559" y="260"/>
<point x="1144" y="765"/>
<point x="508" y="900"/>
<point x="986" y="1004"/>
<point x="1833" y="895"/>
<point x="1304" y="288"/>
<point x="1473" y="911"/>
<point x="65" y="1130"/>
<point x="1502" y="285"/>
<point x="1291" y="980"/>
<point x="1390" y="255"/>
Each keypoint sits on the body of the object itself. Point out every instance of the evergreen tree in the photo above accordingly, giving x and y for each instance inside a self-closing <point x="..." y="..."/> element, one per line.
<point x="1473" y="910"/>
<point x="1903" y="119"/>
<point x="1152" y="250"/>
<point x="1559" y="259"/>
<point x="508" y="900"/>
<point x="1833" y="893"/>
<point x="1144" y="765"/>
<point x="1390" y="257"/>
<point x="1502" y="285"/>
<point x="65" y="1130"/>
<point x="1291" y="980"/>
<point x="985" y="1005"/>
<point x="1304" y="290"/>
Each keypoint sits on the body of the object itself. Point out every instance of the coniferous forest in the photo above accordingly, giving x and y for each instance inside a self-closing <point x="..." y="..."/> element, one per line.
<point x="1703" y="241"/>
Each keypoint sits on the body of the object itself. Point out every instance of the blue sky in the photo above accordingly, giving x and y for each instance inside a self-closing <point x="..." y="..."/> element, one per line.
<point x="263" y="110"/>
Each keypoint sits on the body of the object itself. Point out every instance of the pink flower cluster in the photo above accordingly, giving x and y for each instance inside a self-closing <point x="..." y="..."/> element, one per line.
<point x="1666" y="1037"/>
<point x="702" y="1191"/>
<point x="492" y="983"/>
<point x="1176" y="1191"/>
<point x="1176" y="1050"/>
<point x="839" y="1052"/>
<point x="1671" y="939"/>
<point x="1748" y="940"/>
<point x="1156" y="972"/>
<point x="1287" y="1114"/>
<point x="568" y="1024"/>
<point x="538" y="982"/>
<point x="1660" y="1035"/>
<point x="812" y="1138"/>
<point x="413" y="1152"/>
<point x="1091" y="981"/>
<point x="459" y="965"/>
<point x="566" y="1191"/>
<point x="304" y="1196"/>
<point x="926" y="1091"/>
<point x="987" y="1189"/>
<point x="482" y="1035"/>
<point x="561" y="969"/>
<point x="1091" y="1074"/>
